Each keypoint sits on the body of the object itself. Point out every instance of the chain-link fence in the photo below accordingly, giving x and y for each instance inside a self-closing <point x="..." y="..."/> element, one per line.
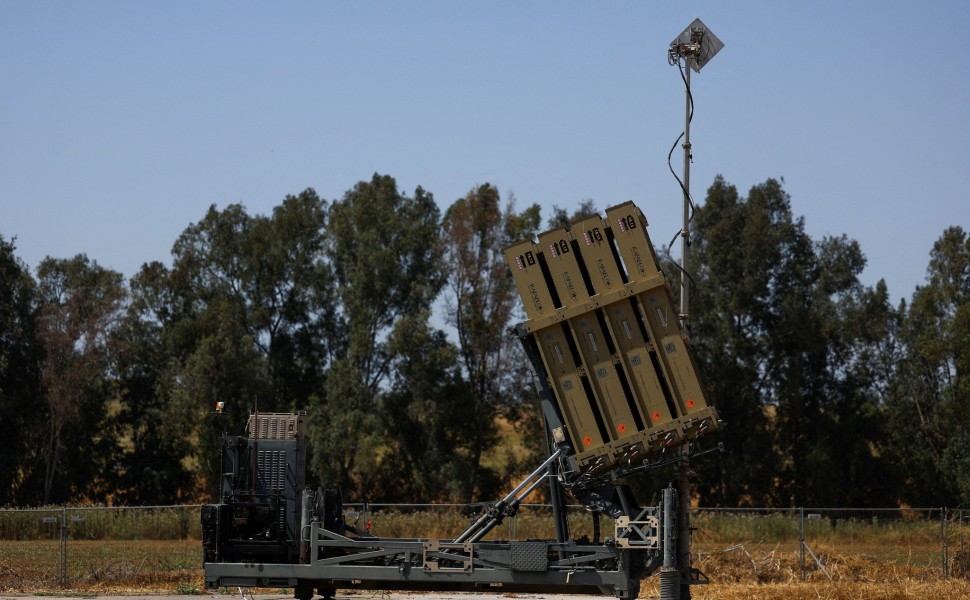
<point x="32" y="548"/>
<point x="150" y="548"/>
<point x="159" y="548"/>
<point x="446" y="521"/>
<point x="834" y="544"/>
<point x="956" y="548"/>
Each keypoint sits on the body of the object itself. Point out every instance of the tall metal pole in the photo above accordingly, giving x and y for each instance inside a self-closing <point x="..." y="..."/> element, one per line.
<point x="685" y="232"/>
<point x="670" y="579"/>
<point x="683" y="475"/>
<point x="696" y="45"/>
<point x="683" y="525"/>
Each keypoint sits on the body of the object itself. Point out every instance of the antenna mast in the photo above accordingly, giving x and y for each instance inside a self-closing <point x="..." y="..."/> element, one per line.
<point x="695" y="46"/>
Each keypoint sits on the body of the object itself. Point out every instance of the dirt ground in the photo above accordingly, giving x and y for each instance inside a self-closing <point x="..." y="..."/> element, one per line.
<point x="953" y="590"/>
<point x="340" y="596"/>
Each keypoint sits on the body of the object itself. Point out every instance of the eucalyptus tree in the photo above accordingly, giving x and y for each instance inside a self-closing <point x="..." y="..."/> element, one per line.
<point x="385" y="252"/>
<point x="425" y="412"/>
<point x="157" y="418"/>
<point x="482" y="304"/>
<point x="81" y="304"/>
<point x="927" y="401"/>
<point x="785" y="330"/>
<point x="254" y="303"/>
<point x="561" y="218"/>
<point x="20" y="363"/>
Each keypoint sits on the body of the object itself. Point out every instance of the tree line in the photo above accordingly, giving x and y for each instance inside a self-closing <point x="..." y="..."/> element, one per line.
<point x="387" y="321"/>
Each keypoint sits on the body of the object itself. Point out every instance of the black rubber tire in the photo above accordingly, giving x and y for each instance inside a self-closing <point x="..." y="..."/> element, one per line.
<point x="303" y="591"/>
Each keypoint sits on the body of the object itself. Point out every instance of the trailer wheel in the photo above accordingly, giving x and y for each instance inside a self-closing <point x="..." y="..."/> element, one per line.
<point x="303" y="591"/>
<point x="328" y="593"/>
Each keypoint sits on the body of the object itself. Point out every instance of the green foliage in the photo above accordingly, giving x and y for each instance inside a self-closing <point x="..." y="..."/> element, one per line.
<point x="264" y="279"/>
<point x="482" y="303"/>
<point x="252" y="307"/>
<point x="187" y="588"/>
<point x="560" y="218"/>
<point x="156" y="420"/>
<point x="81" y="306"/>
<point x="785" y="334"/>
<point x="384" y="249"/>
<point x="20" y="372"/>
<point x="430" y="441"/>
<point x="927" y="399"/>
<point x="832" y="396"/>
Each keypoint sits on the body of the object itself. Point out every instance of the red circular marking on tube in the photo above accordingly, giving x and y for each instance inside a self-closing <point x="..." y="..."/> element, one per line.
<point x="621" y="427"/>
<point x="587" y="441"/>
<point x="690" y="404"/>
<point x="656" y="416"/>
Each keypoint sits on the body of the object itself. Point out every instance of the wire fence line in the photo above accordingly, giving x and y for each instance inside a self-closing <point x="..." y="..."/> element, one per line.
<point x="154" y="548"/>
<point x="158" y="548"/>
<point x="857" y="544"/>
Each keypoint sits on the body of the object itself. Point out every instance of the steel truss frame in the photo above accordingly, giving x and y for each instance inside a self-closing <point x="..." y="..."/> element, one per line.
<point x="429" y="564"/>
<point x="335" y="561"/>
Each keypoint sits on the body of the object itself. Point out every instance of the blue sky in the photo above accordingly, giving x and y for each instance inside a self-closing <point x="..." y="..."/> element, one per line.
<point x="121" y="122"/>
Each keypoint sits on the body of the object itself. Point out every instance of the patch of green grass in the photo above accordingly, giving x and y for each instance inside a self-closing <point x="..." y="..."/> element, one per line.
<point x="186" y="588"/>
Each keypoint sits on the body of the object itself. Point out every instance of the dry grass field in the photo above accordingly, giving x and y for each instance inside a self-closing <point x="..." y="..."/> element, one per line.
<point x="169" y="567"/>
<point x="746" y="558"/>
<point x="751" y="574"/>
<point x="147" y="566"/>
<point x="941" y="590"/>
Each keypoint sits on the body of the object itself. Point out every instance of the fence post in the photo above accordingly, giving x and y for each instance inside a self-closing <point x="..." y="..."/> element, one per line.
<point x="801" y="539"/>
<point x="943" y="543"/>
<point x="62" y="558"/>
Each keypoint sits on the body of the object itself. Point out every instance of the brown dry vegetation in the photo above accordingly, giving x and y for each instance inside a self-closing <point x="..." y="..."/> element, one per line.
<point x="940" y="590"/>
<point x="746" y="559"/>
<point x="738" y="573"/>
<point x="146" y="566"/>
